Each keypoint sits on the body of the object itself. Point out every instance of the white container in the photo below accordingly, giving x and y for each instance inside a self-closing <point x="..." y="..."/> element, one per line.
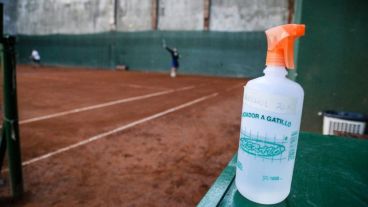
<point x="272" y="108"/>
<point x="331" y="124"/>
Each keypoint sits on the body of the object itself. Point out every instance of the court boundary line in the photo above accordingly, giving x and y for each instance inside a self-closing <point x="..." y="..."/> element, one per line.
<point x="119" y="129"/>
<point x="145" y="87"/>
<point x="110" y="103"/>
<point x="131" y="85"/>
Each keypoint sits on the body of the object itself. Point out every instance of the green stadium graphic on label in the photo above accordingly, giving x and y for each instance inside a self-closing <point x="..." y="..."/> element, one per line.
<point x="261" y="148"/>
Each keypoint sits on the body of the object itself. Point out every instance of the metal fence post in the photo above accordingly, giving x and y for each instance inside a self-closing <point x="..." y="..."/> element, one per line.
<point x="11" y="126"/>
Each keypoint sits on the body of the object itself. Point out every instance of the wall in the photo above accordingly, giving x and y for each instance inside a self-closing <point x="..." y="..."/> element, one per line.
<point x="332" y="60"/>
<point x="107" y="33"/>
<point x="9" y="16"/>
<point x="64" y="16"/>
<point x="180" y="15"/>
<point x="39" y="17"/>
<point x="249" y="15"/>
<point x="133" y="15"/>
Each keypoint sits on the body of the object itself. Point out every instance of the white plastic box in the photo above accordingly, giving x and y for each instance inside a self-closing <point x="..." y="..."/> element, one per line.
<point x="343" y="122"/>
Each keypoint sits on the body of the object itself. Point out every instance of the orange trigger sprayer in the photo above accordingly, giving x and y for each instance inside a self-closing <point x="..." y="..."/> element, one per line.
<point x="280" y="40"/>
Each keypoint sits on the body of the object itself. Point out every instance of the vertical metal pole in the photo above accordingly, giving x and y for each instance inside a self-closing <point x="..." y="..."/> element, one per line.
<point x="1" y="20"/>
<point x="154" y="14"/>
<point x="11" y="126"/>
<point x="206" y="14"/>
<point x="291" y="7"/>
<point x="2" y="137"/>
<point x="116" y="15"/>
<point x="2" y="147"/>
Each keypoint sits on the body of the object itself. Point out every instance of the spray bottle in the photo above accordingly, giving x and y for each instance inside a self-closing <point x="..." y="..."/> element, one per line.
<point x="272" y="108"/>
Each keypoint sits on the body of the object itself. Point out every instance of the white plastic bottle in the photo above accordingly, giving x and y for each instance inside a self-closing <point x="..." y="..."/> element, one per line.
<point x="272" y="108"/>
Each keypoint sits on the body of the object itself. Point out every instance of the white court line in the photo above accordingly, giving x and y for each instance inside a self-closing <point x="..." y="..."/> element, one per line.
<point x="147" y="87"/>
<point x="127" y="85"/>
<point x="119" y="129"/>
<point x="110" y="103"/>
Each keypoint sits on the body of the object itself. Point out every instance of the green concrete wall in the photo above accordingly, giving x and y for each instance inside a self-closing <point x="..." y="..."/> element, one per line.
<point x="332" y="59"/>
<point x="237" y="54"/>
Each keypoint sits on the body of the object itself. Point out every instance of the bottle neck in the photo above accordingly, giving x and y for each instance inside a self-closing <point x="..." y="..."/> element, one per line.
<point x="275" y="71"/>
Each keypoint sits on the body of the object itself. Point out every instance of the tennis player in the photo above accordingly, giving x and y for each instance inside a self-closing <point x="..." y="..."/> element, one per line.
<point x="35" y="57"/>
<point x="174" y="59"/>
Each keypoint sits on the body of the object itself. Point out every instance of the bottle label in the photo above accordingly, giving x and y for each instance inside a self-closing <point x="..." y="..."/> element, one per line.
<point x="269" y="125"/>
<point x="268" y="137"/>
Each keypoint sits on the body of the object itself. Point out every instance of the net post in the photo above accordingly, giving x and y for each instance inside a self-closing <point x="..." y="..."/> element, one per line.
<point x="1" y="20"/>
<point x="2" y="147"/>
<point x="11" y="125"/>
<point x="2" y="136"/>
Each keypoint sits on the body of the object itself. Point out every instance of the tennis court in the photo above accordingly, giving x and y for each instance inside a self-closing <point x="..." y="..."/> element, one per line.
<point x="102" y="138"/>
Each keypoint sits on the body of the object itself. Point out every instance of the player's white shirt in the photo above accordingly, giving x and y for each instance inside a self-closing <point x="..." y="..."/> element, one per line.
<point x="35" y="55"/>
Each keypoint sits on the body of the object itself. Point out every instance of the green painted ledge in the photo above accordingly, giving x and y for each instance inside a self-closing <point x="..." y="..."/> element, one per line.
<point x="221" y="185"/>
<point x="329" y="171"/>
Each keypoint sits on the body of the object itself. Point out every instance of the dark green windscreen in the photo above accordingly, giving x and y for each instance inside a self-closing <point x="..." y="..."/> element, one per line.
<point x="333" y="58"/>
<point x="239" y="54"/>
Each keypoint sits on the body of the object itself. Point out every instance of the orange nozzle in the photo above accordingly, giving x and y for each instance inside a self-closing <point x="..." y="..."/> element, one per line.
<point x="280" y="40"/>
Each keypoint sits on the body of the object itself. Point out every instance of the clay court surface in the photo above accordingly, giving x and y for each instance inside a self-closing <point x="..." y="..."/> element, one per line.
<point x="123" y="138"/>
